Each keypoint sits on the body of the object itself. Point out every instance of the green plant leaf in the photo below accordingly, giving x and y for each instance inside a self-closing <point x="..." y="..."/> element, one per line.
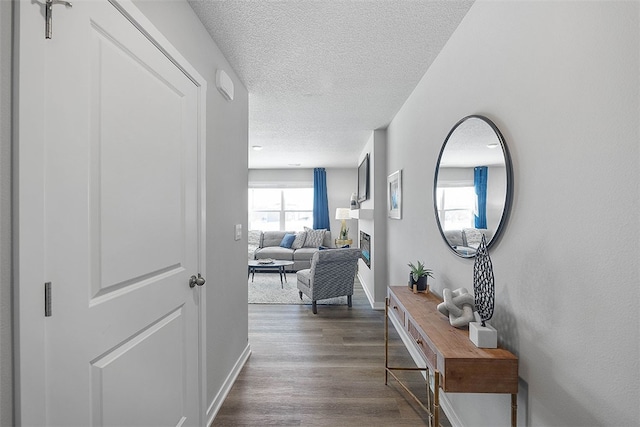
<point x="419" y="270"/>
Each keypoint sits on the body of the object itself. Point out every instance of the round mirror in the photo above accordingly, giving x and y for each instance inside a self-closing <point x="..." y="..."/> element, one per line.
<point x="473" y="185"/>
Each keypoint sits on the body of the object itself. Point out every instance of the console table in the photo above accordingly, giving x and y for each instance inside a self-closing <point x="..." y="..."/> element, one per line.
<point x="456" y="363"/>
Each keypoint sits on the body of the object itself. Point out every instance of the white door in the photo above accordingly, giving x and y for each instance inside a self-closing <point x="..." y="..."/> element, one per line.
<point x="110" y="214"/>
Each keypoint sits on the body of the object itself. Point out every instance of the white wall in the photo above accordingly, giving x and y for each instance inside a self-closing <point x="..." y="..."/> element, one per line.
<point x="374" y="279"/>
<point x="6" y="348"/>
<point x="341" y="182"/>
<point x="286" y="178"/>
<point x="366" y="274"/>
<point x="227" y="141"/>
<point x="560" y="80"/>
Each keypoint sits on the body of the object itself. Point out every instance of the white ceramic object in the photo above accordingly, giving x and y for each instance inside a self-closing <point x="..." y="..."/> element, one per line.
<point x="483" y="336"/>
<point x="458" y="306"/>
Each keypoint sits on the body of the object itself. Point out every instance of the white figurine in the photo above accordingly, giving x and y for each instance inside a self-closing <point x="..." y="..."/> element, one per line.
<point x="458" y="305"/>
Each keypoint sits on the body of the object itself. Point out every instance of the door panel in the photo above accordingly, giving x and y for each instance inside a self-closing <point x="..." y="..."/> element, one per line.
<point x="143" y="155"/>
<point x="137" y="360"/>
<point x="122" y="225"/>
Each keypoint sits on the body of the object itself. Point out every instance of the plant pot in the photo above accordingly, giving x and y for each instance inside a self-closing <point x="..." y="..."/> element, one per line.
<point x="421" y="284"/>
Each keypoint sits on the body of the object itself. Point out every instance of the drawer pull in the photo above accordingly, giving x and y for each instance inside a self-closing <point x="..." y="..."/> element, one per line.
<point x="419" y="341"/>
<point x="395" y="307"/>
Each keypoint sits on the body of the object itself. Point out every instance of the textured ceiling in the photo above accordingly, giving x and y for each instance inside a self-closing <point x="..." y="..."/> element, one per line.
<point x="472" y="143"/>
<point x="322" y="74"/>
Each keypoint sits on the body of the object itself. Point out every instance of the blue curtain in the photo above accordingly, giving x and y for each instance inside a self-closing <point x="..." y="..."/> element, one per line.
<point x="480" y="184"/>
<point x="320" y="203"/>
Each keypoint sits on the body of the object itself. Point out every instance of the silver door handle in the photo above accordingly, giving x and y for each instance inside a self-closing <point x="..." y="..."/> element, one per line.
<point x="193" y="281"/>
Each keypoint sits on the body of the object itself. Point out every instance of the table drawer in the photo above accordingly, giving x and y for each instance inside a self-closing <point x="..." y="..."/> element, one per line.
<point x="397" y="309"/>
<point x="424" y="345"/>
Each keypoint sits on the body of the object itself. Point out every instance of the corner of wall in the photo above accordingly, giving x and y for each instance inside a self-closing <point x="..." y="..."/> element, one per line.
<point x="6" y="297"/>
<point x="374" y="280"/>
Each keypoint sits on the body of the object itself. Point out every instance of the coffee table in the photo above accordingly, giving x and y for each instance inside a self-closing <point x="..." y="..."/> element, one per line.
<point x="276" y="264"/>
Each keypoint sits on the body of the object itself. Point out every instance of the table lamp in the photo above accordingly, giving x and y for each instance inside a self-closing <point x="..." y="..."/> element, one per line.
<point x="343" y="214"/>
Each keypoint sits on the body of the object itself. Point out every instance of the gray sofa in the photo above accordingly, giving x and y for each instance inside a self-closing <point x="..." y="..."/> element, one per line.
<point x="269" y="247"/>
<point x="467" y="238"/>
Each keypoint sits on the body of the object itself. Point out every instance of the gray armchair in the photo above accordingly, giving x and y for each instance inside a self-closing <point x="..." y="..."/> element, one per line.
<point x="332" y="274"/>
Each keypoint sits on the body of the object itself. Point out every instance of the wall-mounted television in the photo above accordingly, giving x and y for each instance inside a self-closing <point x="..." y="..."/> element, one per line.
<point x="363" y="179"/>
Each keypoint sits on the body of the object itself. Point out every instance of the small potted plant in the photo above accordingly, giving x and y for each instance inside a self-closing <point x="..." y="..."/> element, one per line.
<point x="344" y="234"/>
<point x="419" y="276"/>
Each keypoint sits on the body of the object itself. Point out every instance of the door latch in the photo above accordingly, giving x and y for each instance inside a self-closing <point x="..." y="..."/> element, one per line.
<point x="47" y="299"/>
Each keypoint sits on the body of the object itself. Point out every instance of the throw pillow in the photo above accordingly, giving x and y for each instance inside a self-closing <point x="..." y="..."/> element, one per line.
<point x="298" y="242"/>
<point x="287" y="240"/>
<point x="314" y="237"/>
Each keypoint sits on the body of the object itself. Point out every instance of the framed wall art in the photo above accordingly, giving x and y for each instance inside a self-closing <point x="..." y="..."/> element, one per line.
<point x="394" y="195"/>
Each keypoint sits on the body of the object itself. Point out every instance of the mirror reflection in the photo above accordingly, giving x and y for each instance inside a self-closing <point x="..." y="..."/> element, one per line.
<point x="472" y="189"/>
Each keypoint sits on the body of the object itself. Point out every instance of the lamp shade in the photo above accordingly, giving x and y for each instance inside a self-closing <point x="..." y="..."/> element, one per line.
<point x="343" y="213"/>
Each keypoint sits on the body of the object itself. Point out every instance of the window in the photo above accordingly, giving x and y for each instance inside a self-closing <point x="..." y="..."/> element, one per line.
<point x="456" y="206"/>
<point x="289" y="209"/>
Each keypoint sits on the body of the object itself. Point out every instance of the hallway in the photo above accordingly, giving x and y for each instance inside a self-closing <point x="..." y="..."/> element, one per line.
<point x="322" y="370"/>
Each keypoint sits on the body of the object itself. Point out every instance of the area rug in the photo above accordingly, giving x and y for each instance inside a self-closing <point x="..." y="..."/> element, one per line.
<point x="266" y="289"/>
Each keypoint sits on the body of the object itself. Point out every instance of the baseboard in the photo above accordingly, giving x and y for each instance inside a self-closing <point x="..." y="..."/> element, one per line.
<point x="375" y="305"/>
<point x="409" y="343"/>
<point x="217" y="402"/>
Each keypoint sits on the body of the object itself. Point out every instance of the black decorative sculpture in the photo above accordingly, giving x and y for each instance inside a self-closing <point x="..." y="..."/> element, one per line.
<point x="483" y="284"/>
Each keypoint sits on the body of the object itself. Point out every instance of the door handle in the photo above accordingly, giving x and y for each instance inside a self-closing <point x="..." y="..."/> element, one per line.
<point x="193" y="281"/>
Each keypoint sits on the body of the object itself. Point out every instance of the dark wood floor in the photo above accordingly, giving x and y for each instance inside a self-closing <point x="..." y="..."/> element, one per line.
<point x="321" y="370"/>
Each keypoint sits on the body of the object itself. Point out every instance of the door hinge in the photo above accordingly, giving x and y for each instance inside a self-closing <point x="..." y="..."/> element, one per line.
<point x="47" y="299"/>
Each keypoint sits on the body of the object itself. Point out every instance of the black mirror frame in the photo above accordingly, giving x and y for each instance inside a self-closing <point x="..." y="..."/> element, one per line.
<point x="509" y="191"/>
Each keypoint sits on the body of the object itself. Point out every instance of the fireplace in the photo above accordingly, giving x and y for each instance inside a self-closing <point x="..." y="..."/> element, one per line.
<point x="365" y="247"/>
